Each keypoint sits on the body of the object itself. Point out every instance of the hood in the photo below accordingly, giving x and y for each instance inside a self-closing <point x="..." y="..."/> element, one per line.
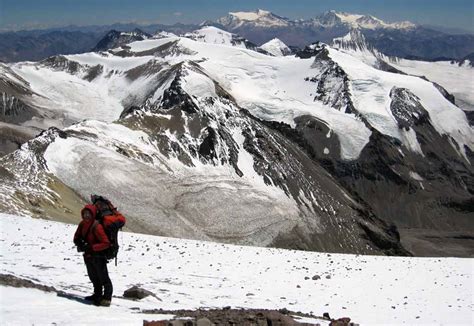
<point x="91" y="208"/>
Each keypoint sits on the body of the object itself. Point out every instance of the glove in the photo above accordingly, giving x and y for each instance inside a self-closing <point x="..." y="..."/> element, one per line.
<point x="81" y="245"/>
<point x="88" y="249"/>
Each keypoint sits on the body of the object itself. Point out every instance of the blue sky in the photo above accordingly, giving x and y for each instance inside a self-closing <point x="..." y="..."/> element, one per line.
<point x="20" y="14"/>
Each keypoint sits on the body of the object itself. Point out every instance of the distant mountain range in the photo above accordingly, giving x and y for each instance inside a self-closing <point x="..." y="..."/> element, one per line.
<point x="36" y="45"/>
<point x="402" y="39"/>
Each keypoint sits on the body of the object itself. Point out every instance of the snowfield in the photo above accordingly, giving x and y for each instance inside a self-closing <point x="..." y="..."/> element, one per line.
<point x="371" y="86"/>
<point x="458" y="80"/>
<point x="192" y="274"/>
<point x="271" y="88"/>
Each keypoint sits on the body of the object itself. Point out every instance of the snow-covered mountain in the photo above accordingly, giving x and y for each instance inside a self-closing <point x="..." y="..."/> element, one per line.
<point x="190" y="144"/>
<point x="452" y="76"/>
<point x="355" y="44"/>
<point x="276" y="48"/>
<point x="402" y="39"/>
<point x="258" y="18"/>
<point x="333" y="18"/>
<point x="319" y="151"/>
<point x="114" y="39"/>
<point x="16" y="107"/>
<point x="455" y="78"/>
<point x="186" y="274"/>
<point x="214" y="35"/>
<point x="266" y="19"/>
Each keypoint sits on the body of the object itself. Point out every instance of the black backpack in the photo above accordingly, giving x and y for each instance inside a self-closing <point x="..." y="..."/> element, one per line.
<point x="112" y="221"/>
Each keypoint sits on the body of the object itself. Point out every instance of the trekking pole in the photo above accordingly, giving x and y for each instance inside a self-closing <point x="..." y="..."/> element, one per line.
<point x="121" y="243"/>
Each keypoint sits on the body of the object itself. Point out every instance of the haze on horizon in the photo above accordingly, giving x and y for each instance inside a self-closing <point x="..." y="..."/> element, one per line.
<point x="30" y="14"/>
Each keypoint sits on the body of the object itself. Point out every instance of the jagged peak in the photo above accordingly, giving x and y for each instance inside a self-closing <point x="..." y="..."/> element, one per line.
<point x="354" y="40"/>
<point x="356" y="43"/>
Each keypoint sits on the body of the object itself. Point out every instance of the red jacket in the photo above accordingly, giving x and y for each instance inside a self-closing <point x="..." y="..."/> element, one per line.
<point x="95" y="237"/>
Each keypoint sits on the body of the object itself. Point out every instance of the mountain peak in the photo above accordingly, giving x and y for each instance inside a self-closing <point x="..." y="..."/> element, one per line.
<point x="354" y="40"/>
<point x="116" y="38"/>
<point x="215" y="35"/>
<point x="332" y="18"/>
<point x="265" y="19"/>
<point x="259" y="18"/>
<point x="276" y="48"/>
<point x="251" y="15"/>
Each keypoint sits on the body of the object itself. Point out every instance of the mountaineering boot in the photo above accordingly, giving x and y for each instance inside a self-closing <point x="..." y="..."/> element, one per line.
<point x="97" y="301"/>
<point x="90" y="297"/>
<point x="104" y="303"/>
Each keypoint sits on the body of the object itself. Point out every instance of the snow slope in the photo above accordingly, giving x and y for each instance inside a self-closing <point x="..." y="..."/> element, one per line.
<point x="177" y="196"/>
<point x="191" y="274"/>
<point x="458" y="80"/>
<point x="211" y="34"/>
<point x="70" y="98"/>
<point x="370" y="89"/>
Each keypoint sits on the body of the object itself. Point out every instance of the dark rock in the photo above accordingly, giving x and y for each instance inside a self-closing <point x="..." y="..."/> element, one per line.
<point x="284" y="311"/>
<point x="136" y="292"/>
<point x="63" y="64"/>
<point x="445" y="93"/>
<point x="313" y="50"/>
<point x="114" y="39"/>
<point x="250" y="317"/>
<point x="93" y="72"/>
<point x="470" y="117"/>
<point x="406" y="108"/>
<point x="383" y="65"/>
<point x="175" y="96"/>
<point x="14" y="110"/>
<point x="341" y="322"/>
<point x="207" y="147"/>
<point x="14" y="281"/>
